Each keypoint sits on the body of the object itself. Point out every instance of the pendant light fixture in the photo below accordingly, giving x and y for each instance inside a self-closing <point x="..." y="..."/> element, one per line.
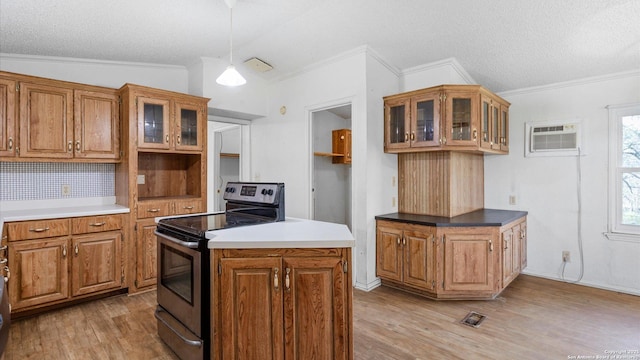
<point x="231" y="76"/>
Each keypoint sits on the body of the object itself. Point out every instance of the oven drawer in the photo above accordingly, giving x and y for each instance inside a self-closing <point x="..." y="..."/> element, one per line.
<point x="92" y="224"/>
<point x="153" y="209"/>
<point x="182" y="341"/>
<point x="37" y="229"/>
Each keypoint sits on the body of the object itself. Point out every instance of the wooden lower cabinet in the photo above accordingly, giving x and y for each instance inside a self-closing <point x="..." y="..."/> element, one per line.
<point x="146" y="269"/>
<point x="96" y="263"/>
<point x="49" y="269"/>
<point x="407" y="256"/>
<point x="40" y="272"/>
<point x="282" y="304"/>
<point x="475" y="262"/>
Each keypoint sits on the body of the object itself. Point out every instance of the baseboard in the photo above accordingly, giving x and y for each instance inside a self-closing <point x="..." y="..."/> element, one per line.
<point x="369" y="286"/>
<point x="623" y="290"/>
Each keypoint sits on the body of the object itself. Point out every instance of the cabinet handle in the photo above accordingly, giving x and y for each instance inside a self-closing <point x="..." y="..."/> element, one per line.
<point x="506" y="245"/>
<point x="3" y="261"/>
<point x="275" y="279"/>
<point x="78" y="145"/>
<point x="8" y="274"/>
<point x="178" y="139"/>
<point x="153" y="210"/>
<point x="398" y="240"/>
<point x="404" y="241"/>
<point x="287" y="283"/>
<point x="64" y="251"/>
<point x="10" y="143"/>
<point x="39" y="230"/>
<point x="475" y="134"/>
<point x="406" y="137"/>
<point x="167" y="138"/>
<point x="2" y="248"/>
<point x="490" y="245"/>
<point x="70" y="146"/>
<point x="75" y="249"/>
<point x="413" y="136"/>
<point x="97" y="224"/>
<point x="188" y="207"/>
<point x="523" y="234"/>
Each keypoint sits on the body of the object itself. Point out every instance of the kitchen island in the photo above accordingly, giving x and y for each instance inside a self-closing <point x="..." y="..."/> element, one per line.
<point x="282" y="290"/>
<point x="470" y="256"/>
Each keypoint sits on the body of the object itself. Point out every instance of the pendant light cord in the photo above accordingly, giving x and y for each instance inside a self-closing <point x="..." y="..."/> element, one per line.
<point x="231" y="35"/>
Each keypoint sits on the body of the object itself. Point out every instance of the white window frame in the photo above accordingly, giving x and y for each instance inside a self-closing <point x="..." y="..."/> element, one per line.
<point x="617" y="230"/>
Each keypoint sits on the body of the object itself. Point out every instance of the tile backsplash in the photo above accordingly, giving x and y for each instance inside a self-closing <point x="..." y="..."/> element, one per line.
<point x="38" y="181"/>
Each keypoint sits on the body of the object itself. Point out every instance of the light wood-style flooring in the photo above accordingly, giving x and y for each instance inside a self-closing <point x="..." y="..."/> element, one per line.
<point x="533" y="318"/>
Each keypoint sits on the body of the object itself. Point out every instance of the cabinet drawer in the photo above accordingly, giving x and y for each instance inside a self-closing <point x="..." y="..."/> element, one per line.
<point x="92" y="224"/>
<point x="37" y="229"/>
<point x="187" y="207"/>
<point x="153" y="209"/>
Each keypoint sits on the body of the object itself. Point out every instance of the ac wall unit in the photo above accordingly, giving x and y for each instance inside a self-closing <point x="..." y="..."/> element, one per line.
<point x="553" y="139"/>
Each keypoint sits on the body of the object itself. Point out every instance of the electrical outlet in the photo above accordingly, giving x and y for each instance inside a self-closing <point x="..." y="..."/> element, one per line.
<point x="512" y="199"/>
<point x="393" y="181"/>
<point x="66" y="190"/>
<point x="566" y="256"/>
<point x="393" y="201"/>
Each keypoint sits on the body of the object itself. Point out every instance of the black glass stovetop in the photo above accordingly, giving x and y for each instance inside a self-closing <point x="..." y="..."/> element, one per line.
<point x="195" y="227"/>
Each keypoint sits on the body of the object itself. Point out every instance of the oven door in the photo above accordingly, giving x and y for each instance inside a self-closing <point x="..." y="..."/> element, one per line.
<point x="180" y="281"/>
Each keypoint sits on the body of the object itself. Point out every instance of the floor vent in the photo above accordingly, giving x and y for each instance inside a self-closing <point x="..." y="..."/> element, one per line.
<point x="473" y="319"/>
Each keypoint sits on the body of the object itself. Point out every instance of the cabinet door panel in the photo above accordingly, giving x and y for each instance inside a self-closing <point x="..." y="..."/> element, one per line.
<point x="397" y="115"/>
<point x="8" y="140"/>
<point x="419" y="267"/>
<point x="425" y="120"/>
<point x="389" y="254"/>
<point x="96" y="263"/>
<point x="97" y="125"/>
<point x="461" y="118"/>
<point x="146" y="254"/>
<point x="252" y="308"/>
<point x="46" y="121"/>
<point x="153" y="123"/>
<point x="316" y="326"/>
<point x="523" y="245"/>
<point x="189" y="119"/>
<point x="468" y="262"/>
<point x="507" y="257"/>
<point x="39" y="272"/>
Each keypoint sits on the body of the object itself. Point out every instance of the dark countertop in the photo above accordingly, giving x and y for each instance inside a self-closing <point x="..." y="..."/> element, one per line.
<point x="483" y="217"/>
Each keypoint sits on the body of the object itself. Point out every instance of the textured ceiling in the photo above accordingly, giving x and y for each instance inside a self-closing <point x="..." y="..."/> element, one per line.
<point x="503" y="44"/>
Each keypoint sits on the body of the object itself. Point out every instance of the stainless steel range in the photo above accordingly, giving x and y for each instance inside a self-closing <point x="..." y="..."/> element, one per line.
<point x="183" y="311"/>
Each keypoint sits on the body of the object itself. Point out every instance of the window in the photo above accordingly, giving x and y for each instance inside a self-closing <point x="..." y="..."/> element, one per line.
<point x="624" y="172"/>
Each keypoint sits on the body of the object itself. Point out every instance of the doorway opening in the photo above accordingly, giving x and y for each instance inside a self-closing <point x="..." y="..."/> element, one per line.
<point x="331" y="182"/>
<point x="226" y="160"/>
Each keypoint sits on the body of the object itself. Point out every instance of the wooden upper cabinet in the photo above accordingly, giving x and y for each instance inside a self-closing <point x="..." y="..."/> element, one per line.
<point x="170" y="124"/>
<point x="446" y="117"/>
<point x="97" y="125"/>
<point x="8" y="128"/>
<point x="46" y="121"/>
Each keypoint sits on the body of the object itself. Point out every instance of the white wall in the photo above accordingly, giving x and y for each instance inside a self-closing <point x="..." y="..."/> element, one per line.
<point x="546" y="187"/>
<point x="101" y="73"/>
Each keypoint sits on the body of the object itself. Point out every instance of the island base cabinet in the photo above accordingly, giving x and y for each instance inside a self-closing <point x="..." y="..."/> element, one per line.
<point x="274" y="304"/>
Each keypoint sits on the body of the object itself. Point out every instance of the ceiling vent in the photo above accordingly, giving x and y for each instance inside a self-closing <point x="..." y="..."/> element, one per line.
<point x="258" y="65"/>
<point x="553" y="139"/>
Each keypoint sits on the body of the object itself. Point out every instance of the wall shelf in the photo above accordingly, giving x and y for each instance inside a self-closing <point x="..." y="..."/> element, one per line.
<point x="340" y="147"/>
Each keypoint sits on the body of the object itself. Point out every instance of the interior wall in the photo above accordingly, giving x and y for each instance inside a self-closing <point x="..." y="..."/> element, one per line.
<point x="546" y="187"/>
<point x="331" y="182"/>
<point x="101" y="73"/>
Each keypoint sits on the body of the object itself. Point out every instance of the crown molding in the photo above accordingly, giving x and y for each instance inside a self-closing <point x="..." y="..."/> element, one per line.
<point x="54" y="59"/>
<point x="452" y="62"/>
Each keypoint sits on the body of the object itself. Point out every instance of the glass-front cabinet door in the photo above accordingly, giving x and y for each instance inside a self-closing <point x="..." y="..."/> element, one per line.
<point x="397" y="115"/>
<point x="461" y="118"/>
<point x="425" y="120"/>
<point x="504" y="128"/>
<point x="485" y="121"/>
<point x="495" y="126"/>
<point x="188" y="122"/>
<point x="153" y="123"/>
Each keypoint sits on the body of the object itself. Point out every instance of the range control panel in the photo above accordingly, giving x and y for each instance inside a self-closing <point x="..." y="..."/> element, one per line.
<point x="264" y="193"/>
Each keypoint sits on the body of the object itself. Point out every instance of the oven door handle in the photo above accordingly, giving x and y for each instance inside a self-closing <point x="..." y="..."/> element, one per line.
<point x="197" y="343"/>
<point x="190" y="245"/>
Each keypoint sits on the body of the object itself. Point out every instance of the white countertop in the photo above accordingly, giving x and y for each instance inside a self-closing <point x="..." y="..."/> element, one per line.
<point x="60" y="212"/>
<point x="291" y="233"/>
